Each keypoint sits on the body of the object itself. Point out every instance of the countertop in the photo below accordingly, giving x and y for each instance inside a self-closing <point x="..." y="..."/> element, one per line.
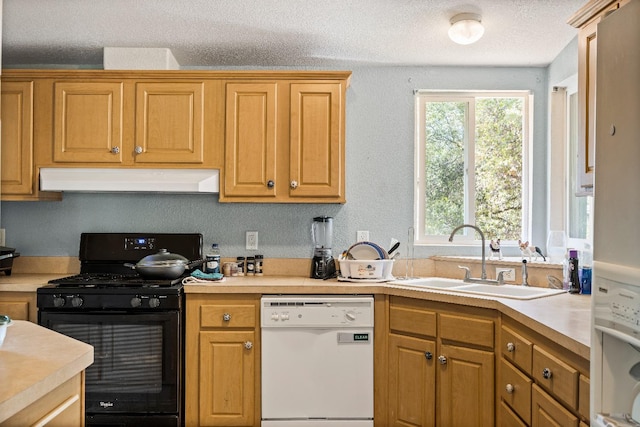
<point x="35" y="360"/>
<point x="563" y="318"/>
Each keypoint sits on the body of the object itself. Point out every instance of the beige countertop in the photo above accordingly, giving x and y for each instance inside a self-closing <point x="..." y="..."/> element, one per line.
<point x="25" y="282"/>
<point x="35" y="360"/>
<point x="564" y="318"/>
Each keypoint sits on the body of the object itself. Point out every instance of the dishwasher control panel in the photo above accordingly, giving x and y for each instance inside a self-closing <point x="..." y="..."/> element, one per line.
<point x="316" y="311"/>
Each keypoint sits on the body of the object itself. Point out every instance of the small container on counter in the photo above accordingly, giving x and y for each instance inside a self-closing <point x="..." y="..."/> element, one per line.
<point x="251" y="266"/>
<point x="240" y="264"/>
<point x="230" y="269"/>
<point x="259" y="265"/>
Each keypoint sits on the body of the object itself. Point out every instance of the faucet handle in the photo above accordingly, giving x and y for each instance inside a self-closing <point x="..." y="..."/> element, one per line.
<point x="467" y="272"/>
<point x="500" y="278"/>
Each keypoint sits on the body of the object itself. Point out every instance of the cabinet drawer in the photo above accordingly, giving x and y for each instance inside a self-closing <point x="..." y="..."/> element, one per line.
<point x="230" y="315"/>
<point x="547" y="412"/>
<point x="468" y="330"/>
<point x="516" y="349"/>
<point x="508" y="418"/>
<point x="584" y="394"/>
<point x="412" y="320"/>
<point x="556" y="376"/>
<point x="515" y="389"/>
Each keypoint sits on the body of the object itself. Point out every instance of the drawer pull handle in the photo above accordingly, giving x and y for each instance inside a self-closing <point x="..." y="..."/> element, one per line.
<point x="248" y="345"/>
<point x="270" y="183"/>
<point x="511" y="347"/>
<point x="428" y="355"/>
<point x="294" y="184"/>
<point x="442" y="360"/>
<point x="115" y="150"/>
<point x="510" y="389"/>
<point x="226" y="317"/>
<point x="138" y="149"/>
<point x="546" y="373"/>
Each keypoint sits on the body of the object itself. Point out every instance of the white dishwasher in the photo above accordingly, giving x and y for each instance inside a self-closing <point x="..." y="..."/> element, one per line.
<point x="317" y="361"/>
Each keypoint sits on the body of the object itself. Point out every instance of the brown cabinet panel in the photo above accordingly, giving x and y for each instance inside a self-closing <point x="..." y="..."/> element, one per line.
<point x="516" y="348"/>
<point x="515" y="390"/>
<point x="250" y="142"/>
<point x="412" y="320"/>
<point x="19" y="305"/>
<point x="584" y="395"/>
<point x="467" y="330"/>
<point x="412" y="381"/>
<point x="556" y="376"/>
<point x="508" y="418"/>
<point x="231" y="315"/>
<point x="17" y="138"/>
<point x="88" y="125"/>
<point x="546" y="412"/>
<point x="169" y="122"/>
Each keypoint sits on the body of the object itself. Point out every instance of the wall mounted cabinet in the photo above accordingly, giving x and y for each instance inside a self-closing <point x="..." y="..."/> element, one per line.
<point x="586" y="20"/>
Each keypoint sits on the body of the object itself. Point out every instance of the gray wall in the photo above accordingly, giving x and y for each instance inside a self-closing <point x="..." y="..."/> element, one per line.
<point x="380" y="151"/>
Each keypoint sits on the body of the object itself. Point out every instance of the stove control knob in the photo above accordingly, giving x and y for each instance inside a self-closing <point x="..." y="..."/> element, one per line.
<point x="136" y="302"/>
<point x="58" y="301"/>
<point x="154" y="302"/>
<point x="77" y="301"/>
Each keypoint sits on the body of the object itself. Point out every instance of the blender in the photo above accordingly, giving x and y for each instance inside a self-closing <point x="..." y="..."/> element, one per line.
<point x="323" y="265"/>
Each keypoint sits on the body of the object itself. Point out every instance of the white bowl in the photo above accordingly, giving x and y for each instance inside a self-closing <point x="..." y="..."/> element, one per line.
<point x="5" y="322"/>
<point x="366" y="269"/>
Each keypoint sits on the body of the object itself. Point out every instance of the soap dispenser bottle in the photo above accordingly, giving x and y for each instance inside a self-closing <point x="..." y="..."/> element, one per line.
<point x="574" y="278"/>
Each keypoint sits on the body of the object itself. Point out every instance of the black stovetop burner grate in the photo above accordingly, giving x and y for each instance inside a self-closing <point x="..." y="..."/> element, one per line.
<point x="98" y="280"/>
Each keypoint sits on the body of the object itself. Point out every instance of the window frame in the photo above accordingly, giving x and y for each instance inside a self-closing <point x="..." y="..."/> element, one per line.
<point x="467" y="236"/>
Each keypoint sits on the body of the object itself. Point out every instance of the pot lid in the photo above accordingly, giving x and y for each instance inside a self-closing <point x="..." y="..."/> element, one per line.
<point x="163" y="258"/>
<point x="4" y="249"/>
<point x="4" y="319"/>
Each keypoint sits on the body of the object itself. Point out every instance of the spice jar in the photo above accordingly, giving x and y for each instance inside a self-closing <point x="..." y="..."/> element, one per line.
<point x="259" y="262"/>
<point x="240" y="263"/>
<point x="251" y="266"/>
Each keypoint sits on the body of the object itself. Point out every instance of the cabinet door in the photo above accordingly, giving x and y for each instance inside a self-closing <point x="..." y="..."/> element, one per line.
<point x="88" y="122"/>
<point x="466" y="387"/>
<point x="411" y="381"/>
<point x="19" y="305"/>
<point x="227" y="370"/>
<point x="587" y="40"/>
<point x="169" y="122"/>
<point x="250" y="141"/>
<point x="546" y="412"/>
<point x="17" y="138"/>
<point x="317" y="141"/>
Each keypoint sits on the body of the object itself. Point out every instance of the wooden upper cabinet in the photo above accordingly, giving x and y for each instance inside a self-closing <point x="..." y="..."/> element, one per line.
<point x="17" y="138"/>
<point x="284" y="141"/>
<point x="586" y="20"/>
<point x="88" y="125"/>
<point x="317" y="141"/>
<point x="169" y="122"/>
<point x="250" y="140"/>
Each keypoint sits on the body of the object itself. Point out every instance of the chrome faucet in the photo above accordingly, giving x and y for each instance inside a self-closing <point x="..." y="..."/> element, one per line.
<point x="525" y="274"/>
<point x="483" y="277"/>
<point x="484" y="267"/>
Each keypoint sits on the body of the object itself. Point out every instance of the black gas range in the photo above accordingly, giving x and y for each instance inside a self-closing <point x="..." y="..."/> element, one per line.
<point x="135" y="325"/>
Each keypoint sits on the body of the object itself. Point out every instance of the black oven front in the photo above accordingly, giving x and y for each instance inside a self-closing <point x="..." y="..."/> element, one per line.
<point x="135" y="379"/>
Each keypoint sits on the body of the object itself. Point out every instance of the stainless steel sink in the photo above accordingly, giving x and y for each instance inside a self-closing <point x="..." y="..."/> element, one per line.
<point x="498" y="291"/>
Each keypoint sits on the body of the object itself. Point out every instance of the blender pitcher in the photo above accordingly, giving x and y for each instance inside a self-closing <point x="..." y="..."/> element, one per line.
<point x="323" y="264"/>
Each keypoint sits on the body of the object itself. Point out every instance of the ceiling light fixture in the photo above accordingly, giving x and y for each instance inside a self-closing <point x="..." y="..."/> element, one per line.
<point x="466" y="28"/>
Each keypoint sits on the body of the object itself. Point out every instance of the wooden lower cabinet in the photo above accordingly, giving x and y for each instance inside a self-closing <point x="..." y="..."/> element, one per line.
<point x="222" y="360"/>
<point x="440" y="365"/>
<point x="19" y="305"/>
<point x="547" y="412"/>
<point x="62" y="407"/>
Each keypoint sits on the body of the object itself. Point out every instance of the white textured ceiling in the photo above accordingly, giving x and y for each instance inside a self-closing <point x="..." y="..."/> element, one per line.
<point x="263" y="33"/>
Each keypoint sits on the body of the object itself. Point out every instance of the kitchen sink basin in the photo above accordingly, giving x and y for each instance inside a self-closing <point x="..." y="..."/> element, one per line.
<point x="499" y="291"/>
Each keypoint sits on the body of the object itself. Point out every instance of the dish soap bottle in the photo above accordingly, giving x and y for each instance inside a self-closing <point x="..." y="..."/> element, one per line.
<point x="574" y="278"/>
<point x="212" y="260"/>
<point x="587" y="261"/>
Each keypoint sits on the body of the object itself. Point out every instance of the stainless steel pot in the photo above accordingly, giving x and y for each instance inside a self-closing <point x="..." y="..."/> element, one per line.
<point x="163" y="265"/>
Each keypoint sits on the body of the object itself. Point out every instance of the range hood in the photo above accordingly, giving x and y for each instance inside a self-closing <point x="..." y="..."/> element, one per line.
<point x="96" y="180"/>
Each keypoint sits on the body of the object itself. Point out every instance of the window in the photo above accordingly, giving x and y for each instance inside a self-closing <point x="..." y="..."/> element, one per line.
<point x="472" y="164"/>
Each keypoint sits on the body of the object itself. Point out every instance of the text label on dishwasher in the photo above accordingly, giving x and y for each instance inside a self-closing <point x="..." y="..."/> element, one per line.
<point x="350" y="337"/>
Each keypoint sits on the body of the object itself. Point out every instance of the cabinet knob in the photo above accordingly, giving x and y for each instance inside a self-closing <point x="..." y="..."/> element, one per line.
<point x="511" y="347"/>
<point x="546" y="373"/>
<point x="428" y="355"/>
<point x="115" y="150"/>
<point x="248" y="345"/>
<point x="270" y="183"/>
<point x="226" y="317"/>
<point x="138" y="149"/>
<point x="442" y="360"/>
<point x="510" y="389"/>
<point x="294" y="184"/>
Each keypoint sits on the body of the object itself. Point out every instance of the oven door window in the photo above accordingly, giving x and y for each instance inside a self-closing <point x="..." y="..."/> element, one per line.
<point x="136" y="359"/>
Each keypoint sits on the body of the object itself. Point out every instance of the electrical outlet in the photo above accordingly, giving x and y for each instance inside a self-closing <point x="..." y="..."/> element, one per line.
<point x="362" y="236"/>
<point x="252" y="240"/>
<point x="509" y="274"/>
